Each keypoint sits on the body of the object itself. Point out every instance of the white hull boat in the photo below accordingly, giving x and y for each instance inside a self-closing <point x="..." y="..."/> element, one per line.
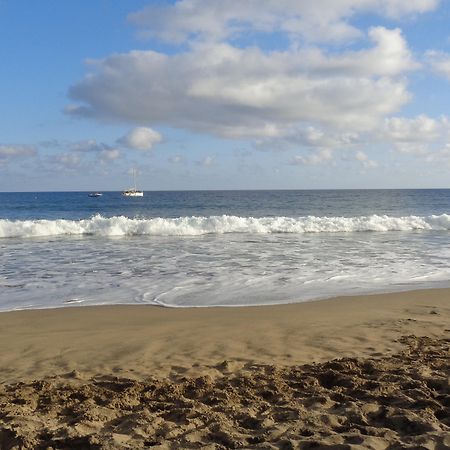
<point x="133" y="192"/>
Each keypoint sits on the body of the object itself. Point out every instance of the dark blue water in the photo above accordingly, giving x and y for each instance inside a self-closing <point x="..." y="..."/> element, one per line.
<point x="289" y="203"/>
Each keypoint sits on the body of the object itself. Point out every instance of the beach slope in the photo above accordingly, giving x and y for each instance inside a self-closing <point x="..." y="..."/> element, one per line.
<point x="355" y="372"/>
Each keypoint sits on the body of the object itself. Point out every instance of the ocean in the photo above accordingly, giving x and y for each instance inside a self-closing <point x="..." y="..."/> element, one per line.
<point x="219" y="248"/>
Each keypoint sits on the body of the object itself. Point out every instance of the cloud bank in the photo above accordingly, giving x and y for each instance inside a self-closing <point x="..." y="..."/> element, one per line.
<point x="318" y="20"/>
<point x="327" y="85"/>
<point x="248" y="93"/>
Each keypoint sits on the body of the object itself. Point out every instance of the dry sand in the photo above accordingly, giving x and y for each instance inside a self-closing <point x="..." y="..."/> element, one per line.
<point x="348" y="373"/>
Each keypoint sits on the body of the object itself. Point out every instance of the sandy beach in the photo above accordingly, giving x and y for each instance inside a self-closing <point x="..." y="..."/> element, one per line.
<point x="354" y="372"/>
<point x="225" y="225"/>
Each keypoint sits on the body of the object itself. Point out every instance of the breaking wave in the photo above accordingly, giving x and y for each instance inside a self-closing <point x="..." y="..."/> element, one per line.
<point x="193" y="226"/>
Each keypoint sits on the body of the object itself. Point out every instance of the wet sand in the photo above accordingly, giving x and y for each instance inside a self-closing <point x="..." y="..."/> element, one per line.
<point x="355" y="372"/>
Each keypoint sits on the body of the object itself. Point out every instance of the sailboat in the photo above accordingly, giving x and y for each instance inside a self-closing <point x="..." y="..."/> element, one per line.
<point x="133" y="192"/>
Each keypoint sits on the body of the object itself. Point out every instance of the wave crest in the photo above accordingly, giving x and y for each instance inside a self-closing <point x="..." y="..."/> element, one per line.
<point x="193" y="226"/>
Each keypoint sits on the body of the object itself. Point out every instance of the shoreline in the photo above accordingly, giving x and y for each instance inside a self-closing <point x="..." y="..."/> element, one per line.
<point x="436" y="286"/>
<point x="143" y="338"/>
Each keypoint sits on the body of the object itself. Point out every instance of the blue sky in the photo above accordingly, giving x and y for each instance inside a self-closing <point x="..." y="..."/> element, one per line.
<point x="209" y="94"/>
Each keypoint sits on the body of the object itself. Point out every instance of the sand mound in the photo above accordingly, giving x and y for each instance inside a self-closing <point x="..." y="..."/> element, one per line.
<point x="400" y="401"/>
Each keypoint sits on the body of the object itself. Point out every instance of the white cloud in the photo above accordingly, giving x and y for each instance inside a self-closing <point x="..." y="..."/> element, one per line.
<point x="418" y="135"/>
<point x="311" y="138"/>
<point x="102" y="150"/>
<point x="421" y="136"/>
<point x="16" y="151"/>
<point x="320" y="157"/>
<point x="141" y="138"/>
<point x="104" y="153"/>
<point x="318" y="20"/>
<point x="67" y="161"/>
<point x="9" y="153"/>
<point x="364" y="159"/>
<point x="81" y="154"/>
<point x="241" y="93"/>
<point x="207" y="161"/>
<point x="87" y="145"/>
<point x="110" y="154"/>
<point x="398" y="8"/>
<point x="421" y="128"/>
<point x="439" y="62"/>
<point x="440" y="156"/>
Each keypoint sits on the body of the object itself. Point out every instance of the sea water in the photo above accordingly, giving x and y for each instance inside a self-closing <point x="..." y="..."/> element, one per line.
<point x="210" y="248"/>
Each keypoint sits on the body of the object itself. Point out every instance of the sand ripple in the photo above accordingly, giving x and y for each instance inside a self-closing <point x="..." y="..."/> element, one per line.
<point x="400" y="401"/>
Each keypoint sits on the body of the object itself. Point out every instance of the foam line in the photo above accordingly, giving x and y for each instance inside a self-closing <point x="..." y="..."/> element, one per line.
<point x="193" y="226"/>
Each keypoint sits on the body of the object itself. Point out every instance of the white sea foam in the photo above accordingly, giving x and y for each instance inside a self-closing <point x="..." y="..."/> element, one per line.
<point x="227" y="269"/>
<point x="192" y="226"/>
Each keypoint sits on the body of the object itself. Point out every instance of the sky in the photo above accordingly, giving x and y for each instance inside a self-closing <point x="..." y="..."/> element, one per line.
<point x="224" y="94"/>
